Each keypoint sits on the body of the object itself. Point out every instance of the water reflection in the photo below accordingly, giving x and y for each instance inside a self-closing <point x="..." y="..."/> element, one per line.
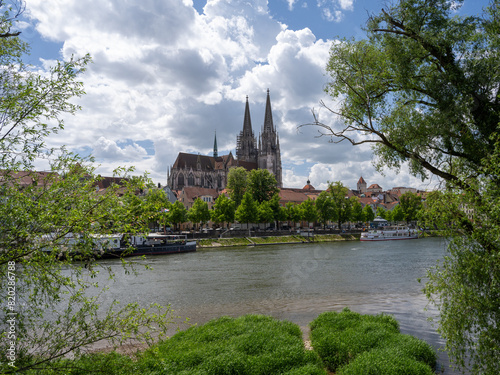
<point x="293" y="282"/>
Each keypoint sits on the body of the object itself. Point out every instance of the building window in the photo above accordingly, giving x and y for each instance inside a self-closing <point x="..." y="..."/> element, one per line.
<point x="191" y="180"/>
<point x="180" y="180"/>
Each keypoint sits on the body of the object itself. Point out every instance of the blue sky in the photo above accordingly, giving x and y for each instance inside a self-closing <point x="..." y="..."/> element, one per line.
<point x="167" y="74"/>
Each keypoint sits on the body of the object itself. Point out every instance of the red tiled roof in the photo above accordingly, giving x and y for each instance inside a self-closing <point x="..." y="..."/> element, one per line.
<point x="26" y="178"/>
<point x="193" y="192"/>
<point x="290" y="195"/>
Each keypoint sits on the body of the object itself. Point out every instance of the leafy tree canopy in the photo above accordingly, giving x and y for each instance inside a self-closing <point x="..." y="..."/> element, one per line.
<point x="223" y="210"/>
<point x="262" y="185"/>
<point x="247" y="212"/>
<point x="237" y="184"/>
<point x="199" y="212"/>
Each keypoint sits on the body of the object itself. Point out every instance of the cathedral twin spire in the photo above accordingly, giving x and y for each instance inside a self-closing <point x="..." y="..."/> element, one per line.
<point x="267" y="155"/>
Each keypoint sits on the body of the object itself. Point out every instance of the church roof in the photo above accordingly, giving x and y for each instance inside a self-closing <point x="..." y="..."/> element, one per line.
<point x="248" y="165"/>
<point x="186" y="161"/>
<point x="361" y="180"/>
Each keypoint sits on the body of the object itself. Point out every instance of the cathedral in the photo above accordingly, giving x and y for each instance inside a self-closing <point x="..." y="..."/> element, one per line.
<point x="211" y="171"/>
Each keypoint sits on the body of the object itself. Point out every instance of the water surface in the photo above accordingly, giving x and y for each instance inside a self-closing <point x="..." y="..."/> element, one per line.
<point x="293" y="282"/>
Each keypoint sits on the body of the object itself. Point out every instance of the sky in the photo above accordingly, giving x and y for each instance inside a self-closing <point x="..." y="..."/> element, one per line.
<point x="167" y="75"/>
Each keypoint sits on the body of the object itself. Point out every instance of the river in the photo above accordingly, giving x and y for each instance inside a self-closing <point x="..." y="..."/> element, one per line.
<point x="293" y="282"/>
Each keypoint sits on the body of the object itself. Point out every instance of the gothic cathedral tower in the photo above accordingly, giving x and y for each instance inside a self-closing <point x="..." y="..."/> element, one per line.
<point x="269" y="145"/>
<point x="267" y="155"/>
<point x="246" y="148"/>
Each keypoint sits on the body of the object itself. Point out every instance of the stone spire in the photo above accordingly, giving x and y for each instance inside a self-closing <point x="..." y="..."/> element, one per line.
<point x="247" y="121"/>
<point x="215" y="145"/>
<point x="268" y="117"/>
<point x="246" y="149"/>
<point x="269" y="148"/>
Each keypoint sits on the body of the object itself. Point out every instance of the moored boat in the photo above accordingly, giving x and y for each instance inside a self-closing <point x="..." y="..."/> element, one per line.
<point x="388" y="234"/>
<point x="153" y="244"/>
<point x="116" y="245"/>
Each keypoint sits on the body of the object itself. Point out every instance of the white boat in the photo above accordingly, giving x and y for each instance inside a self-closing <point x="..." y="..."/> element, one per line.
<point x="388" y="234"/>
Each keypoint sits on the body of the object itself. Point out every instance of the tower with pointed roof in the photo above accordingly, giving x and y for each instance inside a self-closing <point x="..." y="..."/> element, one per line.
<point x="269" y="145"/>
<point x="361" y="185"/>
<point x="246" y="148"/>
<point x="216" y="153"/>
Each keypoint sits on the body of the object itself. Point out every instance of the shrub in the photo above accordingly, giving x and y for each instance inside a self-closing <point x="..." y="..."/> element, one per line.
<point x="387" y="361"/>
<point x="410" y="346"/>
<point x="340" y="337"/>
<point x="251" y="344"/>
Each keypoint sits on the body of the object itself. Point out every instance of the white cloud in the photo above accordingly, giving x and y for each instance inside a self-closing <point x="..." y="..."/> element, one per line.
<point x="165" y="77"/>
<point x="108" y="150"/>
<point x="332" y="15"/>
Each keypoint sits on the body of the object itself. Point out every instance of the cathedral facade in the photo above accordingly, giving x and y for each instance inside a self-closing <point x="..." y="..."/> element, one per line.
<point x="211" y="171"/>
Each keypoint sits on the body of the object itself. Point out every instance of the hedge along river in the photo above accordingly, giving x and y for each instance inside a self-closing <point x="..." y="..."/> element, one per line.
<point x="293" y="282"/>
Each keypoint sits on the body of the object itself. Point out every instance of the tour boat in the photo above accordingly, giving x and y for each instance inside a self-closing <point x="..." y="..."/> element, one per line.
<point x="388" y="234"/>
<point x="108" y="246"/>
<point x="153" y="244"/>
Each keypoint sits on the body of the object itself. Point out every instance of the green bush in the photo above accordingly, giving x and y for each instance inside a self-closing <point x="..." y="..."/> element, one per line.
<point x="95" y="363"/>
<point x="387" y="361"/>
<point x="251" y="344"/>
<point x="412" y="347"/>
<point x="340" y="338"/>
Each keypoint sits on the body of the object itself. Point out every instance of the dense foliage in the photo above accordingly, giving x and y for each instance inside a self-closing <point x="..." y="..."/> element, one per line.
<point x="248" y="345"/>
<point x="351" y="343"/>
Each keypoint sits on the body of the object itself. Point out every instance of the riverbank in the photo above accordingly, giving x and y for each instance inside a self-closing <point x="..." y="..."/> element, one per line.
<point x="273" y="240"/>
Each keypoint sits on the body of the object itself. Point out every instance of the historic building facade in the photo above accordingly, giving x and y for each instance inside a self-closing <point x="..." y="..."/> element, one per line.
<point x="211" y="171"/>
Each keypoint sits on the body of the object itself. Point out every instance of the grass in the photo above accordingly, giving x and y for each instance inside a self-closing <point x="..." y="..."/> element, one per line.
<point x="346" y="343"/>
<point x="276" y="239"/>
<point x="222" y="242"/>
<point x="251" y="344"/>
<point x="242" y="241"/>
<point x="351" y="343"/>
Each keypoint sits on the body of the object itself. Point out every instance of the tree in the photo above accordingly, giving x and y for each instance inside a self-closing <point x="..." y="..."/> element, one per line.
<point x="262" y="185"/>
<point x="52" y="305"/>
<point x="223" y="210"/>
<point x="247" y="211"/>
<point x="292" y="212"/>
<point x="265" y="212"/>
<point x="340" y="202"/>
<point x="324" y="208"/>
<point x="356" y="211"/>
<point x="423" y="70"/>
<point x="155" y="206"/>
<point x="381" y="211"/>
<point x="279" y="213"/>
<point x="368" y="214"/>
<point x="308" y="211"/>
<point x="177" y="214"/>
<point x="397" y="214"/>
<point x="410" y="204"/>
<point x="199" y="212"/>
<point x="237" y="184"/>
